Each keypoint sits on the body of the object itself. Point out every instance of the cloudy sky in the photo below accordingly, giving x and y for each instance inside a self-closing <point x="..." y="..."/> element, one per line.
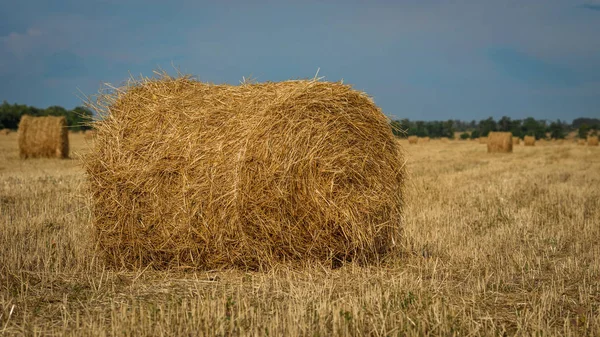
<point x="419" y="59"/>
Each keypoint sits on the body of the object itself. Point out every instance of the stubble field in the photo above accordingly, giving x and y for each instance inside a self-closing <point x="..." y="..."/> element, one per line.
<point x="493" y="244"/>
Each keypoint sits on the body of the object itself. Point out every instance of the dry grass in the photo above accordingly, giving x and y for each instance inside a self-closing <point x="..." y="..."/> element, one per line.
<point x="499" y="142"/>
<point x="4" y="132"/>
<point x="413" y="139"/>
<point x="424" y="140"/>
<point x="516" y="140"/>
<point x="483" y="140"/>
<point x="46" y="136"/>
<point x="493" y="245"/>
<point x="581" y="142"/>
<point x="592" y="140"/>
<point x="529" y="140"/>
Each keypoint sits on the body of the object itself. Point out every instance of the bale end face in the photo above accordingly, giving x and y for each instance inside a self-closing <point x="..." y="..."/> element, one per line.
<point x="187" y="174"/>
<point x="43" y="137"/>
<point x="413" y="139"/>
<point x="529" y="140"/>
<point x="499" y="142"/>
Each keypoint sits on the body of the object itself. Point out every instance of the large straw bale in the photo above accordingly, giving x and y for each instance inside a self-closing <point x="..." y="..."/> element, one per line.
<point x="529" y="140"/>
<point x="499" y="142"/>
<point x="516" y="140"/>
<point x="413" y="139"/>
<point x="43" y="137"/>
<point x="4" y="132"/>
<point x="592" y="140"/>
<point x="188" y="174"/>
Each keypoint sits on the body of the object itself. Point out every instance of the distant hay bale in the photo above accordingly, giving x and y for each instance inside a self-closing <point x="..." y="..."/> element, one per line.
<point x="499" y="142"/>
<point x="195" y="175"/>
<point x="424" y="140"/>
<point x="581" y="142"/>
<point x="516" y="140"/>
<point x="413" y="139"/>
<point x="482" y="140"/>
<point x="529" y="140"/>
<point x="4" y="132"/>
<point x="89" y="134"/>
<point x="43" y="137"/>
<point x="592" y="140"/>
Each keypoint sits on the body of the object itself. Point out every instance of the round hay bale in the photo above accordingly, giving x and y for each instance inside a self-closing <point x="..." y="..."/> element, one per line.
<point x="592" y="140"/>
<point x="188" y="174"/>
<point x="43" y="137"/>
<point x="4" y="132"/>
<point x="581" y="142"/>
<point x="529" y="140"/>
<point x="499" y="142"/>
<point x="516" y="140"/>
<point x="413" y="139"/>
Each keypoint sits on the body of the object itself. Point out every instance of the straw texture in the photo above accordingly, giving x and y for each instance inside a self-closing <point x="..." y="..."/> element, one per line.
<point x="43" y="137"/>
<point x="188" y="174"/>
<point x="499" y="142"/>
<point x="529" y="140"/>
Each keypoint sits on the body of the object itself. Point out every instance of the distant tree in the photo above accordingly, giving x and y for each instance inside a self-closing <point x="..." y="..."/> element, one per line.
<point x="464" y="136"/>
<point x="475" y="134"/>
<point x="556" y="130"/>
<point x="583" y="131"/>
<point x="505" y="124"/>
<point x="486" y="126"/>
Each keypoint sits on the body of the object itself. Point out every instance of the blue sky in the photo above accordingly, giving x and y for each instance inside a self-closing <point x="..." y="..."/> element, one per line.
<point x="419" y="59"/>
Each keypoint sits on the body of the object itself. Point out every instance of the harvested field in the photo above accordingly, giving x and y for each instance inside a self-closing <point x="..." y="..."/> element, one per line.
<point x="492" y="245"/>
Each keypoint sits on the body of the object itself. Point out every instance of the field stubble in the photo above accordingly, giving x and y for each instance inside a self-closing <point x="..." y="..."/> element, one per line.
<point x="493" y="244"/>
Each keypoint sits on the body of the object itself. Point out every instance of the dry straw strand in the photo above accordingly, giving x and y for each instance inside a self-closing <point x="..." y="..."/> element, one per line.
<point x="499" y="142"/>
<point x="529" y="140"/>
<point x="195" y="175"/>
<point x="43" y="137"/>
<point x="592" y="140"/>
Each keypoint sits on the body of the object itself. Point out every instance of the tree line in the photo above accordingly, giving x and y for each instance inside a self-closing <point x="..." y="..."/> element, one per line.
<point x="77" y="119"/>
<point x="519" y="128"/>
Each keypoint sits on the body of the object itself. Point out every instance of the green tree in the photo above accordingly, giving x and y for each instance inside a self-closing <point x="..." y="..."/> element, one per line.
<point x="583" y="131"/>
